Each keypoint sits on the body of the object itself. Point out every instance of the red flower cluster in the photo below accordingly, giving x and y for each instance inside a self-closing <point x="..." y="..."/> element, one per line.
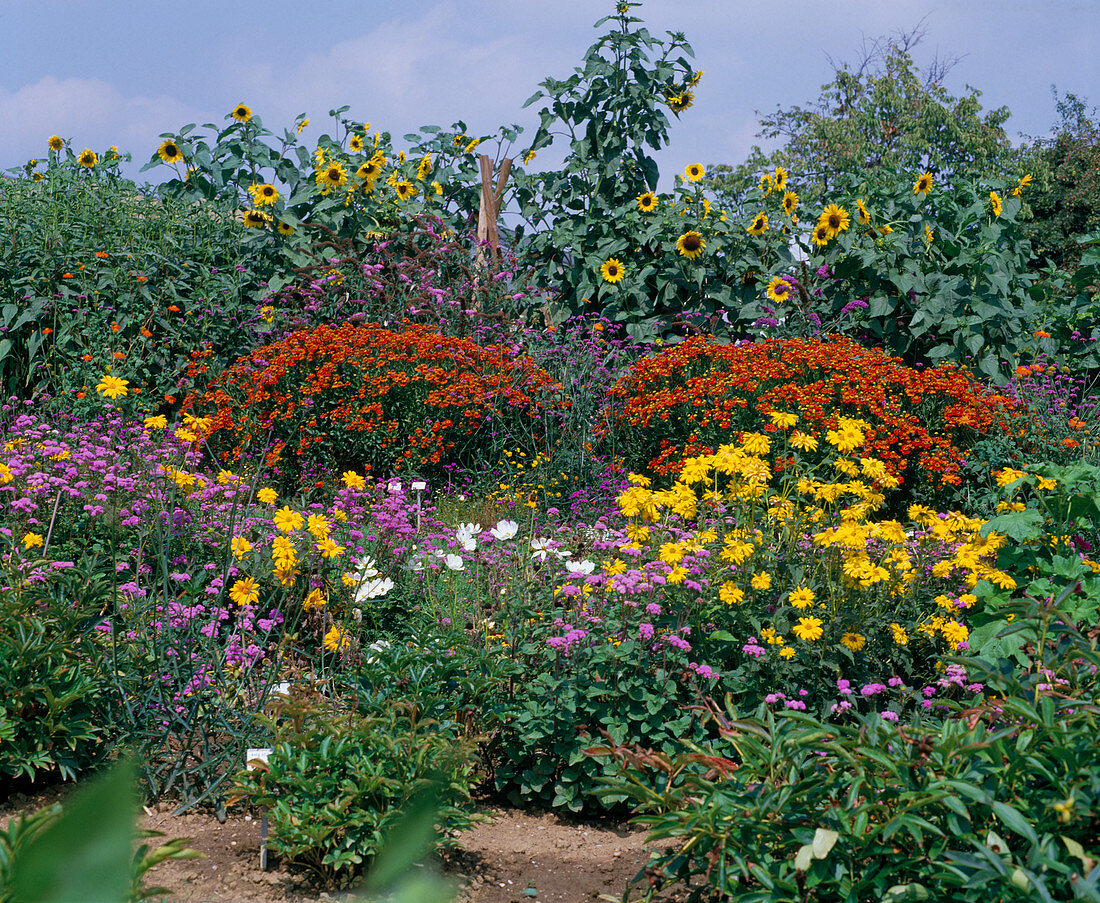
<point x="362" y="396"/>
<point x="696" y="395"/>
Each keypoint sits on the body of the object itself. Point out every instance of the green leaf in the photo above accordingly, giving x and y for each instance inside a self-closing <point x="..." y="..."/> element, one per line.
<point x="1014" y="821"/>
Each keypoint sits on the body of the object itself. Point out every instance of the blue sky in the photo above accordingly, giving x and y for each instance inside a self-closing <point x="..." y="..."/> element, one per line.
<point x="103" y="72"/>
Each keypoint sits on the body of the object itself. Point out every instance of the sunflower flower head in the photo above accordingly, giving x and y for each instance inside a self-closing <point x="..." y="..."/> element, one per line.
<point x="694" y="172"/>
<point x="241" y="112"/>
<point x="647" y="201"/>
<point x="56" y="143"/>
<point x="759" y="225"/>
<point x="690" y="244"/>
<point x="170" y="152"/>
<point x="995" y="203"/>
<point x="923" y="185"/>
<point x="263" y="194"/>
<point x="88" y="158"/>
<point x="612" y="271"/>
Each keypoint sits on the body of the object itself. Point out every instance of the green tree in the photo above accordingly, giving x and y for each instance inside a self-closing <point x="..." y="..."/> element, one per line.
<point x="877" y="118"/>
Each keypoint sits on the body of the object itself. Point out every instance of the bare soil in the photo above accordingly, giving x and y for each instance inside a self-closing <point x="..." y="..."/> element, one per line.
<point x="517" y="856"/>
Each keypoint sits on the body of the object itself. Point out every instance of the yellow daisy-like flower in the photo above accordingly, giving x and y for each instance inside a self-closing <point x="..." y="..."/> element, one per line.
<point x="761" y="580"/>
<point x="332" y="175"/>
<point x="786" y="652"/>
<point x="1009" y="475"/>
<point x="756" y="444"/>
<point x="901" y="638"/>
<point x="88" y="158"/>
<point x="783" y="419"/>
<point x="759" y="225"/>
<point x="56" y="143"/>
<point x="245" y="592"/>
<point x="170" y="152"/>
<point x="405" y="189"/>
<point x="863" y="213"/>
<point x="647" y="201"/>
<point x="352" y="480"/>
<point x="1024" y="182"/>
<point x="369" y="171"/>
<point x="731" y="594"/>
<point x="337" y="640"/>
<point x="318" y="526"/>
<point x="424" y="167"/>
<point x="6" y="476"/>
<point x="808" y="629"/>
<point x="282" y="549"/>
<point x="836" y="218"/>
<point x="287" y="520"/>
<point x="329" y="549"/>
<point x="821" y="235"/>
<point x="255" y="219"/>
<point x="803" y="442"/>
<point x="469" y="148"/>
<point x="995" y="203"/>
<point x="854" y="641"/>
<point x="790" y="202"/>
<point x="355" y="144"/>
<point x="240" y="547"/>
<point x="612" y="271"/>
<point x="923" y="185"/>
<point x="316" y="599"/>
<point x="242" y="113"/>
<point x="779" y="180"/>
<point x="803" y="597"/>
<point x="263" y="194"/>
<point x="779" y="290"/>
<point x="680" y="102"/>
<point x="267" y="495"/>
<point x="31" y="540"/>
<point x="690" y="244"/>
<point x="112" y="386"/>
<point x="159" y="422"/>
<point x="694" y="172"/>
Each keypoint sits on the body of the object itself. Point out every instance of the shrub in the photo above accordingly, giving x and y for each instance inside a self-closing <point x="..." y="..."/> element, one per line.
<point x="54" y="690"/>
<point x="999" y="799"/>
<point x="369" y="398"/>
<point x="335" y="783"/>
<point x="698" y="394"/>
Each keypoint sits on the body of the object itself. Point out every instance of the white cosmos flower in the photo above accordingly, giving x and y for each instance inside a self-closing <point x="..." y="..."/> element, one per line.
<point x="577" y="568"/>
<point x="368" y="568"/>
<point x="466" y="535"/>
<point x="379" y="646"/>
<point x="505" y="529"/>
<point x="540" y="548"/>
<point x="373" y="589"/>
<point x="455" y="563"/>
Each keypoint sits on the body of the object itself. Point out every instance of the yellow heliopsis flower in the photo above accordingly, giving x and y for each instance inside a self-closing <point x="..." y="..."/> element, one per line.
<point x="245" y="592"/>
<point x="808" y="629"/>
<point x="337" y="640"/>
<point x="690" y="244"/>
<point x="170" y="152"/>
<point x="31" y="540"/>
<point x="242" y="113"/>
<point x="783" y="419"/>
<point x="287" y="520"/>
<point x="612" y="271"/>
<point x="803" y="442"/>
<point x="803" y="597"/>
<point x="923" y="185"/>
<point x="762" y="580"/>
<point x="316" y="599"/>
<point x="112" y="386"/>
<point x="854" y="641"/>
<point x="88" y="158"/>
<point x="694" y="172"/>
<point x="267" y="495"/>
<point x="240" y="547"/>
<point x="647" y="201"/>
<point x="759" y="225"/>
<point x="158" y="422"/>
<point x="353" y="480"/>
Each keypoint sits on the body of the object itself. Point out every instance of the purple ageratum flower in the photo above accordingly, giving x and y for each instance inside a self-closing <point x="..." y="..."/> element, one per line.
<point x="889" y="716"/>
<point x="873" y="689"/>
<point x="752" y="648"/>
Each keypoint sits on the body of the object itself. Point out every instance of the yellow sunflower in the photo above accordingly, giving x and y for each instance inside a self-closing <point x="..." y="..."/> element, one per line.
<point x="170" y="152"/>
<point x="821" y="234"/>
<point x="690" y="244"/>
<point x="759" y="225"/>
<point x="680" y="102"/>
<point x="836" y="218"/>
<point x="255" y="219"/>
<point x="1024" y="182"/>
<point x="790" y="202"/>
<point x="241" y="112"/>
<point x="405" y="189"/>
<point x="369" y="171"/>
<point x="779" y="290"/>
<point x="332" y="175"/>
<point x="766" y="184"/>
<point x="37" y="176"/>
<point x="694" y="172"/>
<point x="612" y="271"/>
<point x="284" y="228"/>
<point x="647" y="201"/>
<point x="779" y="180"/>
<point x="355" y="144"/>
<point x="87" y="158"/>
<point x="995" y="203"/>
<point x="424" y="167"/>
<point x="263" y="194"/>
<point x="864" y="214"/>
<point x="923" y="185"/>
<point x="55" y="143"/>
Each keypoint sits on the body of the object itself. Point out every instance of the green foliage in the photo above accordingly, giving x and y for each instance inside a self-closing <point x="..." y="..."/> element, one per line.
<point x="98" y="276"/>
<point x="997" y="800"/>
<point x="54" y="694"/>
<point x="876" y="118"/>
<point x="336" y="783"/>
<point x="82" y="852"/>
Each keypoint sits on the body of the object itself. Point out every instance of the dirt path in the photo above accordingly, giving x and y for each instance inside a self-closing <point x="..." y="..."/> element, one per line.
<point x="516" y="858"/>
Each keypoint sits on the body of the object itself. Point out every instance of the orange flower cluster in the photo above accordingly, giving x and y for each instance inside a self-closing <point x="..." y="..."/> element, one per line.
<point x="694" y="396"/>
<point x="365" y="397"/>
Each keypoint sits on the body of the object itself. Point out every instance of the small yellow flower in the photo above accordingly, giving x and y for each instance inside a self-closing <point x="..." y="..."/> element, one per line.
<point x="158" y="422"/>
<point x="786" y="652"/>
<point x="854" y="641"/>
<point x="808" y="629"/>
<point x="761" y="580"/>
<point x="31" y="540"/>
<point x="731" y="594"/>
<point x="803" y="597"/>
<point x="287" y="520"/>
<point x="352" y="480"/>
<point x="240" y="547"/>
<point x="244" y="592"/>
<point x="112" y="386"/>
<point x="316" y="599"/>
<point x="337" y="640"/>
<point x="267" y="495"/>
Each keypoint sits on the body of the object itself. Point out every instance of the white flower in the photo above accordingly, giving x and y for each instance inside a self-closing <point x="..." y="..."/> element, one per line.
<point x="379" y="646"/>
<point x="505" y="529"/>
<point x="455" y="563"/>
<point x="466" y="536"/>
<point x="373" y="589"/>
<point x="540" y="548"/>
<point x="577" y="568"/>
<point x="368" y="568"/>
